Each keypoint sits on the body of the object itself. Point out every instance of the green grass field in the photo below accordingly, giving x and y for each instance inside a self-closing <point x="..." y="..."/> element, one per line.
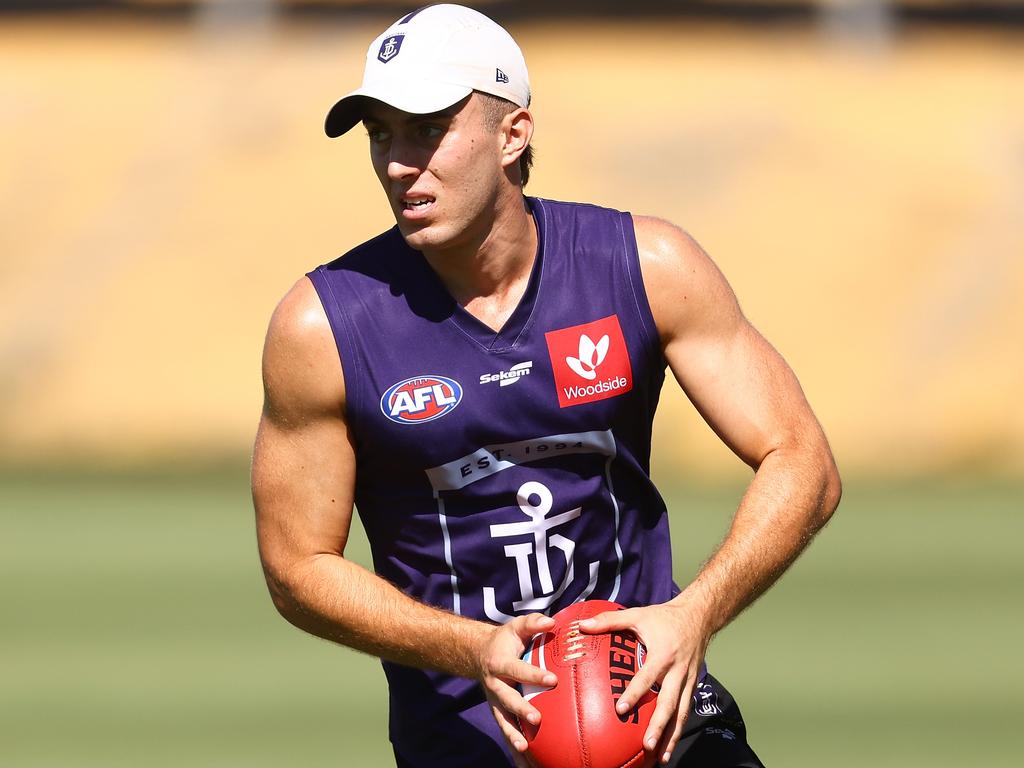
<point x="136" y="631"/>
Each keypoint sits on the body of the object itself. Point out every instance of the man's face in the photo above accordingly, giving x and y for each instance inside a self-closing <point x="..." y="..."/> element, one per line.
<point x="441" y="172"/>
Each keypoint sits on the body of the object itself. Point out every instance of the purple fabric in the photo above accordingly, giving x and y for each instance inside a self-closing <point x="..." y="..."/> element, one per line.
<point x="487" y="486"/>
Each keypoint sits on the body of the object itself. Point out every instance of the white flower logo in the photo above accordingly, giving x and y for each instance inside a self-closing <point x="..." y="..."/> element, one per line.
<point x="591" y="356"/>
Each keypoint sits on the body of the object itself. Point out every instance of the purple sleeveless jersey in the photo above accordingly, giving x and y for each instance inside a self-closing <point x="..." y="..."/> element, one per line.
<point x="501" y="473"/>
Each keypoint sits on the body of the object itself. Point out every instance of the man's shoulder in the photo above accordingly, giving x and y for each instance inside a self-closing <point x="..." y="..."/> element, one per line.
<point x="373" y="251"/>
<point x="299" y="321"/>
<point x="661" y="239"/>
<point x="684" y="286"/>
<point x="301" y="370"/>
<point x="571" y="208"/>
<point x="583" y="227"/>
<point x="380" y="266"/>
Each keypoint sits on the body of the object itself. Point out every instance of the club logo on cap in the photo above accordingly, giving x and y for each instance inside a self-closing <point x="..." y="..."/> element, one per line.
<point x="390" y="48"/>
<point x="500" y="77"/>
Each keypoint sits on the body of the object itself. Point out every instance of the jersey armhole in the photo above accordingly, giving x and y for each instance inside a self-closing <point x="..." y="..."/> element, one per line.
<point x="636" y="284"/>
<point x="343" y="341"/>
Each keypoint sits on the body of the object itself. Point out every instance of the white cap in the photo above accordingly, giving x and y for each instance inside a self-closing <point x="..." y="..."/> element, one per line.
<point x="432" y="58"/>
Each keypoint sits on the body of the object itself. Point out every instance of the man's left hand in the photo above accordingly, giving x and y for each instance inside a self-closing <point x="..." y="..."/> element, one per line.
<point x="676" y="643"/>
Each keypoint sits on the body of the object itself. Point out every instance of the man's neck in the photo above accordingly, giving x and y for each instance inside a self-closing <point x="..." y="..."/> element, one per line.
<point x="488" y="277"/>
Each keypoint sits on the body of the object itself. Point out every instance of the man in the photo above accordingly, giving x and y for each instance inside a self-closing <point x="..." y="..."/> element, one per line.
<point x="481" y="381"/>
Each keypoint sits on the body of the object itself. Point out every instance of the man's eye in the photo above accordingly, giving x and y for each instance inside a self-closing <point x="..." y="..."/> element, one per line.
<point x="377" y="135"/>
<point x="431" y="131"/>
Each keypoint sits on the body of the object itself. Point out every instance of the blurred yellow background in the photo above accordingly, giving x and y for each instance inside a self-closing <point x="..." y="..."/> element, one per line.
<point x="162" y="183"/>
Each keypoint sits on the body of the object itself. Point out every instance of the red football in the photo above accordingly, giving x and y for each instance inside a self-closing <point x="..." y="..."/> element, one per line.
<point x="579" y="726"/>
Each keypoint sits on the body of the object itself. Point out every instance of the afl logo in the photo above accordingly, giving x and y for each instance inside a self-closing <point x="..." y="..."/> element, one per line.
<point x="420" y="399"/>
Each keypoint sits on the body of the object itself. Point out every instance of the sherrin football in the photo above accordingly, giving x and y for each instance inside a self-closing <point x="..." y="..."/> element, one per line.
<point x="579" y="726"/>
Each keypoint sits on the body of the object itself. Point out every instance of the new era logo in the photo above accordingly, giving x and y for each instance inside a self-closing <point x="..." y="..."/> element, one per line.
<point x="500" y="77"/>
<point x="590" y="361"/>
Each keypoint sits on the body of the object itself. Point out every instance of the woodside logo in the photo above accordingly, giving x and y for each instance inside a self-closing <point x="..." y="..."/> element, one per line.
<point x="590" y="361"/>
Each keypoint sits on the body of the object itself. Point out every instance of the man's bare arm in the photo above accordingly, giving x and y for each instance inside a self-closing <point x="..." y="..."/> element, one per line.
<point x="750" y="397"/>
<point x="303" y="481"/>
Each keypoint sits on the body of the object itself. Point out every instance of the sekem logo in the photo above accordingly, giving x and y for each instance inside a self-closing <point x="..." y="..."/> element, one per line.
<point x="511" y="376"/>
<point x="587" y="370"/>
<point x="421" y="399"/>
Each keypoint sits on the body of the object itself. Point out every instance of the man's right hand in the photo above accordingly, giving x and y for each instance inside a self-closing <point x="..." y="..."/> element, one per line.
<point x="502" y="667"/>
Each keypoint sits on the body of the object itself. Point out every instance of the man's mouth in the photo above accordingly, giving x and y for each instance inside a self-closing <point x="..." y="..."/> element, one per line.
<point x="416" y="203"/>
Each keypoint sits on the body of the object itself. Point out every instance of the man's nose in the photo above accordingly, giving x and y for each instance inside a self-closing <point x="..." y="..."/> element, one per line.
<point x="400" y="171"/>
<point x="402" y="164"/>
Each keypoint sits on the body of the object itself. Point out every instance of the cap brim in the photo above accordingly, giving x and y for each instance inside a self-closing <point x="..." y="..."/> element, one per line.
<point x="417" y="98"/>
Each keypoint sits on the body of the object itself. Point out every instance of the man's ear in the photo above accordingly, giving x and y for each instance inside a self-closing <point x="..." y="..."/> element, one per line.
<point x="517" y="132"/>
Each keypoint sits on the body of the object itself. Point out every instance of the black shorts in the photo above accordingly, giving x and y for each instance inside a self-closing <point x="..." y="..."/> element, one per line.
<point x="715" y="735"/>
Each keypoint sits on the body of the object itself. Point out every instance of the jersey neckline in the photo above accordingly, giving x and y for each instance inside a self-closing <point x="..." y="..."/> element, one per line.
<point x="507" y="337"/>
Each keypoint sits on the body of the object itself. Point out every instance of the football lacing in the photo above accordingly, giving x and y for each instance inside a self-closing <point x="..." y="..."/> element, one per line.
<point x="574" y="640"/>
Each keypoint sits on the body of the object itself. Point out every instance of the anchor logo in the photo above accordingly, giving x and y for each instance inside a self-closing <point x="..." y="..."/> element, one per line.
<point x="537" y="549"/>
<point x="390" y="48"/>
